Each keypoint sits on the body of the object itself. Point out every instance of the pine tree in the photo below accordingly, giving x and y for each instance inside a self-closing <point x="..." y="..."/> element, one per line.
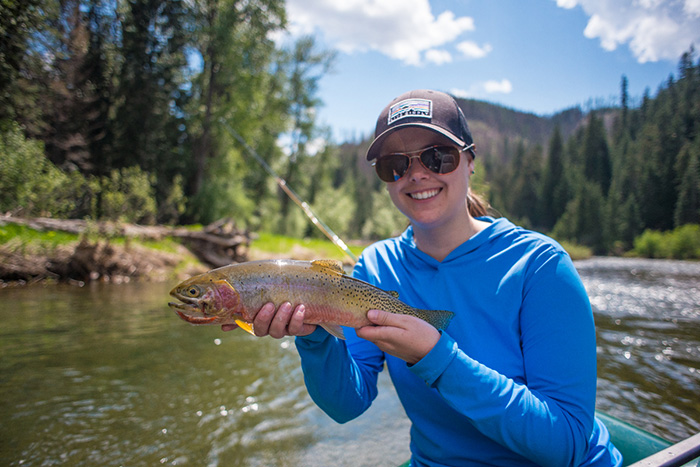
<point x="552" y="195"/>
<point x="687" y="210"/>
<point x="596" y="154"/>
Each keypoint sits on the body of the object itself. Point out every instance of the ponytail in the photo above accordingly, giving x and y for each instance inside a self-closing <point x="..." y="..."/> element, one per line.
<point x="477" y="205"/>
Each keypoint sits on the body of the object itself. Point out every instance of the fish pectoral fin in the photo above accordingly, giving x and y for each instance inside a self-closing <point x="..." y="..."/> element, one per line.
<point x="334" y="330"/>
<point x="247" y="327"/>
<point x="332" y="264"/>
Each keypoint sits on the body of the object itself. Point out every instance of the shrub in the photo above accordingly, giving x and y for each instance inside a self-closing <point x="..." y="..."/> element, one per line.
<point x="680" y="243"/>
<point x="684" y="242"/>
<point x="650" y="244"/>
<point x="127" y="195"/>
<point x="30" y="184"/>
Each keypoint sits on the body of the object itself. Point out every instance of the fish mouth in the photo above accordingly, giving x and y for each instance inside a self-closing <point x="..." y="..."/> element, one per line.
<point x="189" y="309"/>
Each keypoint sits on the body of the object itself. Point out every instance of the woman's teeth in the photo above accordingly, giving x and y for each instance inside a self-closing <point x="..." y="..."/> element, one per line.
<point x="424" y="194"/>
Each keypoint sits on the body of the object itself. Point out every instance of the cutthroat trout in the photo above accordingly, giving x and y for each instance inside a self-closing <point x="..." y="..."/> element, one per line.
<point x="235" y="293"/>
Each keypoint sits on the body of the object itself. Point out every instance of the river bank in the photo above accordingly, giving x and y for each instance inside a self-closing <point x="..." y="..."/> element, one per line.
<point x="78" y="252"/>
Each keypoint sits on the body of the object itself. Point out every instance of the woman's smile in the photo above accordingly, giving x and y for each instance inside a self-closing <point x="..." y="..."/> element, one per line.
<point x="425" y="194"/>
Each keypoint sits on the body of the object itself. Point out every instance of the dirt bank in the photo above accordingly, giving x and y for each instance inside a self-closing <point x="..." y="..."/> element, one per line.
<point x="98" y="257"/>
<point x="96" y="261"/>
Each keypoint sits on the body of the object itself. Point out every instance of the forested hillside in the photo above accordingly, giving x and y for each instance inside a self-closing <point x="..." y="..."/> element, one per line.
<point x="606" y="184"/>
<point x="120" y="111"/>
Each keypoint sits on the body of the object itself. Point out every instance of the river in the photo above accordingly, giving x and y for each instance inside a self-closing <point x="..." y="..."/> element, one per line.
<point x="107" y="375"/>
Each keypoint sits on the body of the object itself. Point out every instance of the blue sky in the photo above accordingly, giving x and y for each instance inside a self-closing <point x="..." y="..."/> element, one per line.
<point x="539" y="56"/>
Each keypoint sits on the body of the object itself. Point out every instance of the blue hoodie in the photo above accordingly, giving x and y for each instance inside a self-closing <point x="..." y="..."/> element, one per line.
<point x="511" y="381"/>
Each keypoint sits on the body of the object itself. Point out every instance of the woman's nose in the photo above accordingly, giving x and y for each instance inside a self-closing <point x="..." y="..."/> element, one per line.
<point x="416" y="170"/>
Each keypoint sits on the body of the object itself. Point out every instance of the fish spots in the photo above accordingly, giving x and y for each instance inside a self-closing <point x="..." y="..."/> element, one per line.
<point x="329" y="294"/>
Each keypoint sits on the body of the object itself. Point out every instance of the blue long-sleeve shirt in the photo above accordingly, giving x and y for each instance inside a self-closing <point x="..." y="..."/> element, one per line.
<point x="512" y="379"/>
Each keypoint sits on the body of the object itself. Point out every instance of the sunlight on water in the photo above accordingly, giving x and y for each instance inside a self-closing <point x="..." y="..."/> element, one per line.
<point x="107" y="375"/>
<point x="648" y="322"/>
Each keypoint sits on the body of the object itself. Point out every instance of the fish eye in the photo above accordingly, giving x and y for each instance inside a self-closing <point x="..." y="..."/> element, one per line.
<point x="192" y="291"/>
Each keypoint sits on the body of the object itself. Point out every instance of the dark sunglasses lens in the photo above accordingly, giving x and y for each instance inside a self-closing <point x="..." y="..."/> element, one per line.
<point x="391" y="167"/>
<point x="441" y="159"/>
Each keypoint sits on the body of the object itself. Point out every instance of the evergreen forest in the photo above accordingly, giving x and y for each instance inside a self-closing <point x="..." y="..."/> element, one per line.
<point x="121" y="110"/>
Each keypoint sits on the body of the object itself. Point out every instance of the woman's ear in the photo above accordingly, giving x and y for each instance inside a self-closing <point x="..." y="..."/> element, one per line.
<point x="470" y="163"/>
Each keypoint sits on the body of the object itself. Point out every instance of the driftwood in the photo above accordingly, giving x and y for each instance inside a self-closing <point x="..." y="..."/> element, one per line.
<point x="217" y="244"/>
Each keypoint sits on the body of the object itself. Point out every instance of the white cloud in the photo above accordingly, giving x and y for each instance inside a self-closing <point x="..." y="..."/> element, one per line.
<point x="404" y="30"/>
<point x="692" y="7"/>
<point x="477" y="90"/>
<point x="461" y="93"/>
<point x="653" y="29"/>
<point x="471" y="49"/>
<point x="501" y="87"/>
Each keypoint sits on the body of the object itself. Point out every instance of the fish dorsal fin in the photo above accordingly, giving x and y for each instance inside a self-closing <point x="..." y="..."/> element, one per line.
<point x="332" y="264"/>
<point x="393" y="293"/>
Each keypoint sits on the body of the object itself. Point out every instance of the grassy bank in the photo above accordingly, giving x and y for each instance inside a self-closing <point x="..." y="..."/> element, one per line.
<point x="28" y="255"/>
<point x="268" y="245"/>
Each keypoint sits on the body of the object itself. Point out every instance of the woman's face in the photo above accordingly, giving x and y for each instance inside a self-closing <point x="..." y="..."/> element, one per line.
<point x="428" y="199"/>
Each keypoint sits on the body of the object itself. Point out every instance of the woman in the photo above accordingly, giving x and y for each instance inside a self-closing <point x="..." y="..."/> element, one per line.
<point x="512" y="379"/>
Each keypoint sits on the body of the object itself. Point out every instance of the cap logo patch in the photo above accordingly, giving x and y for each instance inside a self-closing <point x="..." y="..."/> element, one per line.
<point x="410" y="108"/>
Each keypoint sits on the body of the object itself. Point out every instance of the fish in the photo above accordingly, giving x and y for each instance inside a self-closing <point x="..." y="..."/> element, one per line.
<point x="233" y="294"/>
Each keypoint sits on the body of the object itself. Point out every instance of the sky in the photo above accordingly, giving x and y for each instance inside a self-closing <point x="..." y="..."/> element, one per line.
<point x="538" y="56"/>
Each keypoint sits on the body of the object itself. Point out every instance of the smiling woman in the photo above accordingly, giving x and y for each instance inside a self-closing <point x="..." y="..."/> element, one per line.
<point x="512" y="379"/>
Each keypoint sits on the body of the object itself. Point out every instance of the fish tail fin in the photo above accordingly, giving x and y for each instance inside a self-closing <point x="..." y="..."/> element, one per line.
<point x="440" y="319"/>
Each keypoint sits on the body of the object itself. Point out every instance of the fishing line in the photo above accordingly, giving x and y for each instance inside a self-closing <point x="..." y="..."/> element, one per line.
<point x="288" y="190"/>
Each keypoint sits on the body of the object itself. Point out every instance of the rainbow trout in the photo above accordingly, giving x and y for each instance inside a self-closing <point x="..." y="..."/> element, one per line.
<point x="235" y="293"/>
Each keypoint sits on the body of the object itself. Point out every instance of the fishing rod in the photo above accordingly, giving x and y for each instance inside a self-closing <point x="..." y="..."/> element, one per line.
<point x="332" y="236"/>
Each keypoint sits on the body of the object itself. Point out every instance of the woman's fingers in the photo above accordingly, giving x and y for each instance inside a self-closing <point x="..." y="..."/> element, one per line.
<point x="278" y="325"/>
<point x="262" y="320"/>
<point x="296" y="323"/>
<point x="286" y="320"/>
<point x="403" y="336"/>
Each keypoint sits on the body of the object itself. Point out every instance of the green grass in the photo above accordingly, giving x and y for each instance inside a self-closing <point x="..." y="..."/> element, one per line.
<point x="307" y="248"/>
<point x="576" y="251"/>
<point x="166" y="245"/>
<point x="25" y="239"/>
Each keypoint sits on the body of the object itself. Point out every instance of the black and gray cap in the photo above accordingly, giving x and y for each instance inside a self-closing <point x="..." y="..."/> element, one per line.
<point x="424" y="108"/>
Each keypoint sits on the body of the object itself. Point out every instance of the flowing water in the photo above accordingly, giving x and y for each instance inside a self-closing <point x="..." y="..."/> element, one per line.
<point x="107" y="375"/>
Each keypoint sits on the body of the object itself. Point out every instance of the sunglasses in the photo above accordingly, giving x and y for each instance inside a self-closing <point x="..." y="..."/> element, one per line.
<point x="438" y="159"/>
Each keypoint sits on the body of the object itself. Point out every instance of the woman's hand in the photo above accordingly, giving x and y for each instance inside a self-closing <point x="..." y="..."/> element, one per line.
<point x="278" y="323"/>
<point x="403" y="336"/>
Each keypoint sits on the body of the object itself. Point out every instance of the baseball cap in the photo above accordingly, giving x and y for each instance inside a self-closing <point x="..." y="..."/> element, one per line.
<point x="423" y="108"/>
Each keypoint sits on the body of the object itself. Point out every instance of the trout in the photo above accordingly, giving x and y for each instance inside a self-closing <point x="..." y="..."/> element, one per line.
<point x="234" y="294"/>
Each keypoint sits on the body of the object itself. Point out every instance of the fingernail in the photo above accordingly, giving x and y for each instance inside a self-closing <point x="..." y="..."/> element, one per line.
<point x="372" y="315"/>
